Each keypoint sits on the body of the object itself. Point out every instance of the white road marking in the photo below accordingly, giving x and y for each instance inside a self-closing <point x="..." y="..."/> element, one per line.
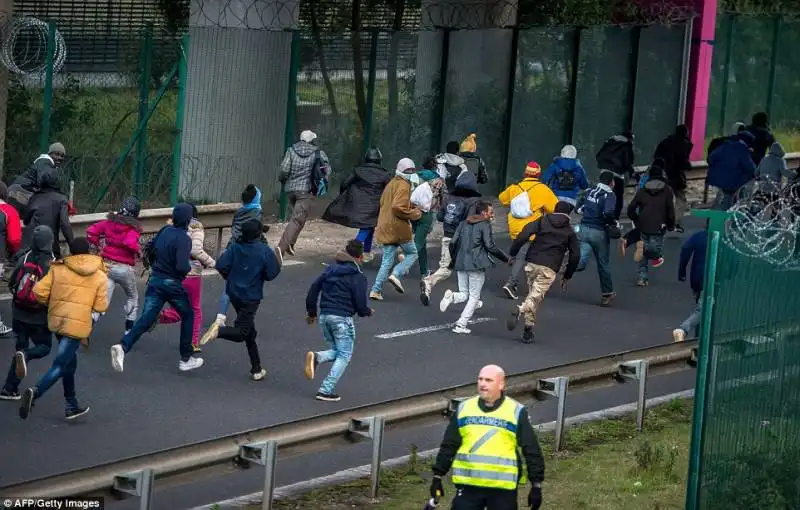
<point x="428" y="329"/>
<point x="213" y="272"/>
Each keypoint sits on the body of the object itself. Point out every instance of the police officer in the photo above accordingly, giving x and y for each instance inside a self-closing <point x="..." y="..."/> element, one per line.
<point x="482" y="445"/>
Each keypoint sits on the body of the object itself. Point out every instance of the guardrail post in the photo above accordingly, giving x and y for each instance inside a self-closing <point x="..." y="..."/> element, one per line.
<point x="263" y="454"/>
<point x="452" y="406"/>
<point x="137" y="483"/>
<point x="636" y="370"/>
<point x="219" y="241"/>
<point x="371" y="428"/>
<point x="556" y="387"/>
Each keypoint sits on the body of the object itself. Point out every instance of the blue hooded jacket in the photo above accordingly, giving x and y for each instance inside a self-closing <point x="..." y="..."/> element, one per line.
<point x="248" y="263"/>
<point x="598" y="206"/>
<point x="343" y="289"/>
<point x="560" y="165"/>
<point x="246" y="213"/>
<point x="173" y="246"/>
<point x="694" y="249"/>
<point x="731" y="165"/>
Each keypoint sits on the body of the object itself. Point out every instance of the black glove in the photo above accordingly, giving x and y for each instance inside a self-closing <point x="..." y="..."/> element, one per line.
<point x="535" y="498"/>
<point x="437" y="490"/>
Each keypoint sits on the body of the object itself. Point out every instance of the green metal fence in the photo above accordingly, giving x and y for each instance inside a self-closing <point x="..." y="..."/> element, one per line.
<point x="755" y="68"/>
<point x="747" y="407"/>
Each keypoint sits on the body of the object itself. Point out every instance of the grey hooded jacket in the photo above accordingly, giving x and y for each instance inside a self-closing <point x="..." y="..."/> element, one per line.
<point x="772" y="169"/>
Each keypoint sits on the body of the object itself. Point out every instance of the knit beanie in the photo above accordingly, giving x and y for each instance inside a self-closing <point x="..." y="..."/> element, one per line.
<point x="470" y="144"/>
<point x="569" y="152"/>
<point x="130" y="207"/>
<point x="532" y="169"/>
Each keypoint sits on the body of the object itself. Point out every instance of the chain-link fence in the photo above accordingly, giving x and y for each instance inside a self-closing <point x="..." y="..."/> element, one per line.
<point x="747" y="414"/>
<point x="407" y="82"/>
<point x="755" y="69"/>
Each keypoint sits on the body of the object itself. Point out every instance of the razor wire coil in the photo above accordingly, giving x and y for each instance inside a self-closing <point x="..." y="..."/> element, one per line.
<point x="33" y="34"/>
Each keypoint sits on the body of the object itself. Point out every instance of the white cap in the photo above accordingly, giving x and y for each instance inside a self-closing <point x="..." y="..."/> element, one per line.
<point x="308" y="136"/>
<point x="405" y="164"/>
<point x="569" y="152"/>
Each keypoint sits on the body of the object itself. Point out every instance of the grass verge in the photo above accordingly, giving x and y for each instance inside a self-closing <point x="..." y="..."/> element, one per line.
<point x="604" y="464"/>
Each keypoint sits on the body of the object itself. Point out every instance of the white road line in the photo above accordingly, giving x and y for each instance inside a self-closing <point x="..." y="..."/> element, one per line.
<point x="213" y="272"/>
<point x="428" y="329"/>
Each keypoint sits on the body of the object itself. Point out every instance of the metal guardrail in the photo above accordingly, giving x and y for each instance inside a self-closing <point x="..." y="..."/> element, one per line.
<point x="184" y="464"/>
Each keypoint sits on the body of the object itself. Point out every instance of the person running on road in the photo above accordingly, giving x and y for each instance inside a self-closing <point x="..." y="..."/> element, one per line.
<point x="527" y="201"/>
<point x="566" y="176"/>
<point x="250" y="209"/>
<point x="48" y="206"/>
<point x="29" y="317"/>
<point x="73" y="288"/>
<point x="428" y="198"/>
<point x="554" y="237"/>
<point x="694" y="251"/>
<point x="359" y="200"/>
<point x="616" y="157"/>
<point x="674" y="150"/>
<point x="245" y="266"/>
<point x="653" y="212"/>
<point x="593" y="232"/>
<point x="193" y="283"/>
<point x="394" y="231"/>
<point x="457" y="206"/>
<point x="171" y="250"/>
<point x="471" y="249"/>
<point x="301" y="162"/>
<point x="10" y="239"/>
<point x="468" y="151"/>
<point x="486" y="440"/>
<point x="342" y="292"/>
<point x="118" y="239"/>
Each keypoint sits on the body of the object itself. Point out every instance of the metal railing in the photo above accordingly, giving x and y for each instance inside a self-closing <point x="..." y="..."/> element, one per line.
<point x="184" y="464"/>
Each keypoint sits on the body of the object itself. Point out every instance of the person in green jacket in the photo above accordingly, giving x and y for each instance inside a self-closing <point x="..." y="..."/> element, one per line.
<point x="423" y="226"/>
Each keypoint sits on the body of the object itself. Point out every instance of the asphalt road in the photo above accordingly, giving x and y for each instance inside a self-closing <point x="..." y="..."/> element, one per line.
<point x="152" y="406"/>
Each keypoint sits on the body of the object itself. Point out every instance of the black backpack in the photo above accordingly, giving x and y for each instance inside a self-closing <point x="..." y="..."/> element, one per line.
<point x="149" y="251"/>
<point x="319" y="181"/>
<point x="565" y="180"/>
<point x="23" y="281"/>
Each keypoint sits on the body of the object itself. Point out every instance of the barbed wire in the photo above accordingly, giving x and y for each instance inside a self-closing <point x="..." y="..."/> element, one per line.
<point x="764" y="223"/>
<point x="31" y="58"/>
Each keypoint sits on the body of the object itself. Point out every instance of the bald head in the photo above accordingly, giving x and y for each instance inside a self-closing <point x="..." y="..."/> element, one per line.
<point x="491" y="383"/>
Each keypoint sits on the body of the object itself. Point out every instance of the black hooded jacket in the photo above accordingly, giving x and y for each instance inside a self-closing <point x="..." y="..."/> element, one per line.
<point x="616" y="155"/>
<point x="41" y="254"/>
<point x="47" y="206"/>
<point x="652" y="208"/>
<point x="554" y="238"/>
<point x="173" y="247"/>
<point x="358" y="203"/>
<point x="674" y="150"/>
<point x="763" y="141"/>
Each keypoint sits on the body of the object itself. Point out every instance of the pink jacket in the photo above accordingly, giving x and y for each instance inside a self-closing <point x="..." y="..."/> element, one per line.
<point x="121" y="235"/>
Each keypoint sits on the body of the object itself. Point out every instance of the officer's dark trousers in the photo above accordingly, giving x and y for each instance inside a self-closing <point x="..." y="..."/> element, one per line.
<point x="478" y="498"/>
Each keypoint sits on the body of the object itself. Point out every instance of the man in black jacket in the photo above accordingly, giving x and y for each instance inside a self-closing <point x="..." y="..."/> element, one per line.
<point x="653" y="212"/>
<point x="616" y="156"/>
<point x="48" y="206"/>
<point x="675" y="150"/>
<point x="554" y="237"/>
<point x="359" y="199"/>
<point x="470" y="449"/>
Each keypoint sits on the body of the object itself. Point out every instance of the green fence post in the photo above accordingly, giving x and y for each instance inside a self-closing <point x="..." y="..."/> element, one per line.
<point x="573" y="84"/>
<point x="47" y="107"/>
<point x="716" y="227"/>
<point x="438" y="116"/>
<point x="145" y="70"/>
<point x="366" y="141"/>
<point x="633" y="65"/>
<point x="723" y="129"/>
<point x="291" y="108"/>
<point x="180" y="110"/>
<point x="509" y="118"/>
<point x="776" y="35"/>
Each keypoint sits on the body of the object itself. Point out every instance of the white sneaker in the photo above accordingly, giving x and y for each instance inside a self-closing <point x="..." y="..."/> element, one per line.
<point x="259" y="375"/>
<point x="479" y="305"/>
<point x="678" y="335"/>
<point x="117" y="357"/>
<point x="462" y="330"/>
<point x="446" y="301"/>
<point x="221" y="318"/>
<point x="185" y="366"/>
<point x="396" y="284"/>
<point x="367" y="258"/>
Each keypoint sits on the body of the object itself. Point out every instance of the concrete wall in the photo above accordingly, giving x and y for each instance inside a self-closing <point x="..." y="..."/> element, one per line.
<point x="236" y="92"/>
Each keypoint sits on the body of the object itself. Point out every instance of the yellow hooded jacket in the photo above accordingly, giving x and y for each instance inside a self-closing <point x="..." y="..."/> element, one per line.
<point x="540" y="196"/>
<point x="73" y="288"/>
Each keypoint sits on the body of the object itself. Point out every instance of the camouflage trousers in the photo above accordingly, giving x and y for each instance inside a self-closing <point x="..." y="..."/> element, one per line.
<point x="540" y="278"/>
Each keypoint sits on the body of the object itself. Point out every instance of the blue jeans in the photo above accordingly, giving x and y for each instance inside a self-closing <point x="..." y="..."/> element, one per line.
<point x="653" y="248"/>
<point x="64" y="366"/>
<point x="27" y="334"/>
<point x="387" y="261"/>
<point x="340" y="333"/>
<point x="692" y="322"/>
<point x="595" y="241"/>
<point x="224" y="304"/>
<point x="365" y="236"/>
<point x="160" y="291"/>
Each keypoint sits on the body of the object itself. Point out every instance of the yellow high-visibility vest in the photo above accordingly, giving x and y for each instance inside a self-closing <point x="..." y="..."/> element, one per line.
<point x="488" y="453"/>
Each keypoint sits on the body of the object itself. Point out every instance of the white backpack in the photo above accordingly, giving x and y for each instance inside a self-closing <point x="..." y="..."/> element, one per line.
<point x="521" y="205"/>
<point x="422" y="197"/>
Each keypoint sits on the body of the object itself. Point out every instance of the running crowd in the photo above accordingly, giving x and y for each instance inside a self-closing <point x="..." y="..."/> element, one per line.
<point x="557" y="220"/>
